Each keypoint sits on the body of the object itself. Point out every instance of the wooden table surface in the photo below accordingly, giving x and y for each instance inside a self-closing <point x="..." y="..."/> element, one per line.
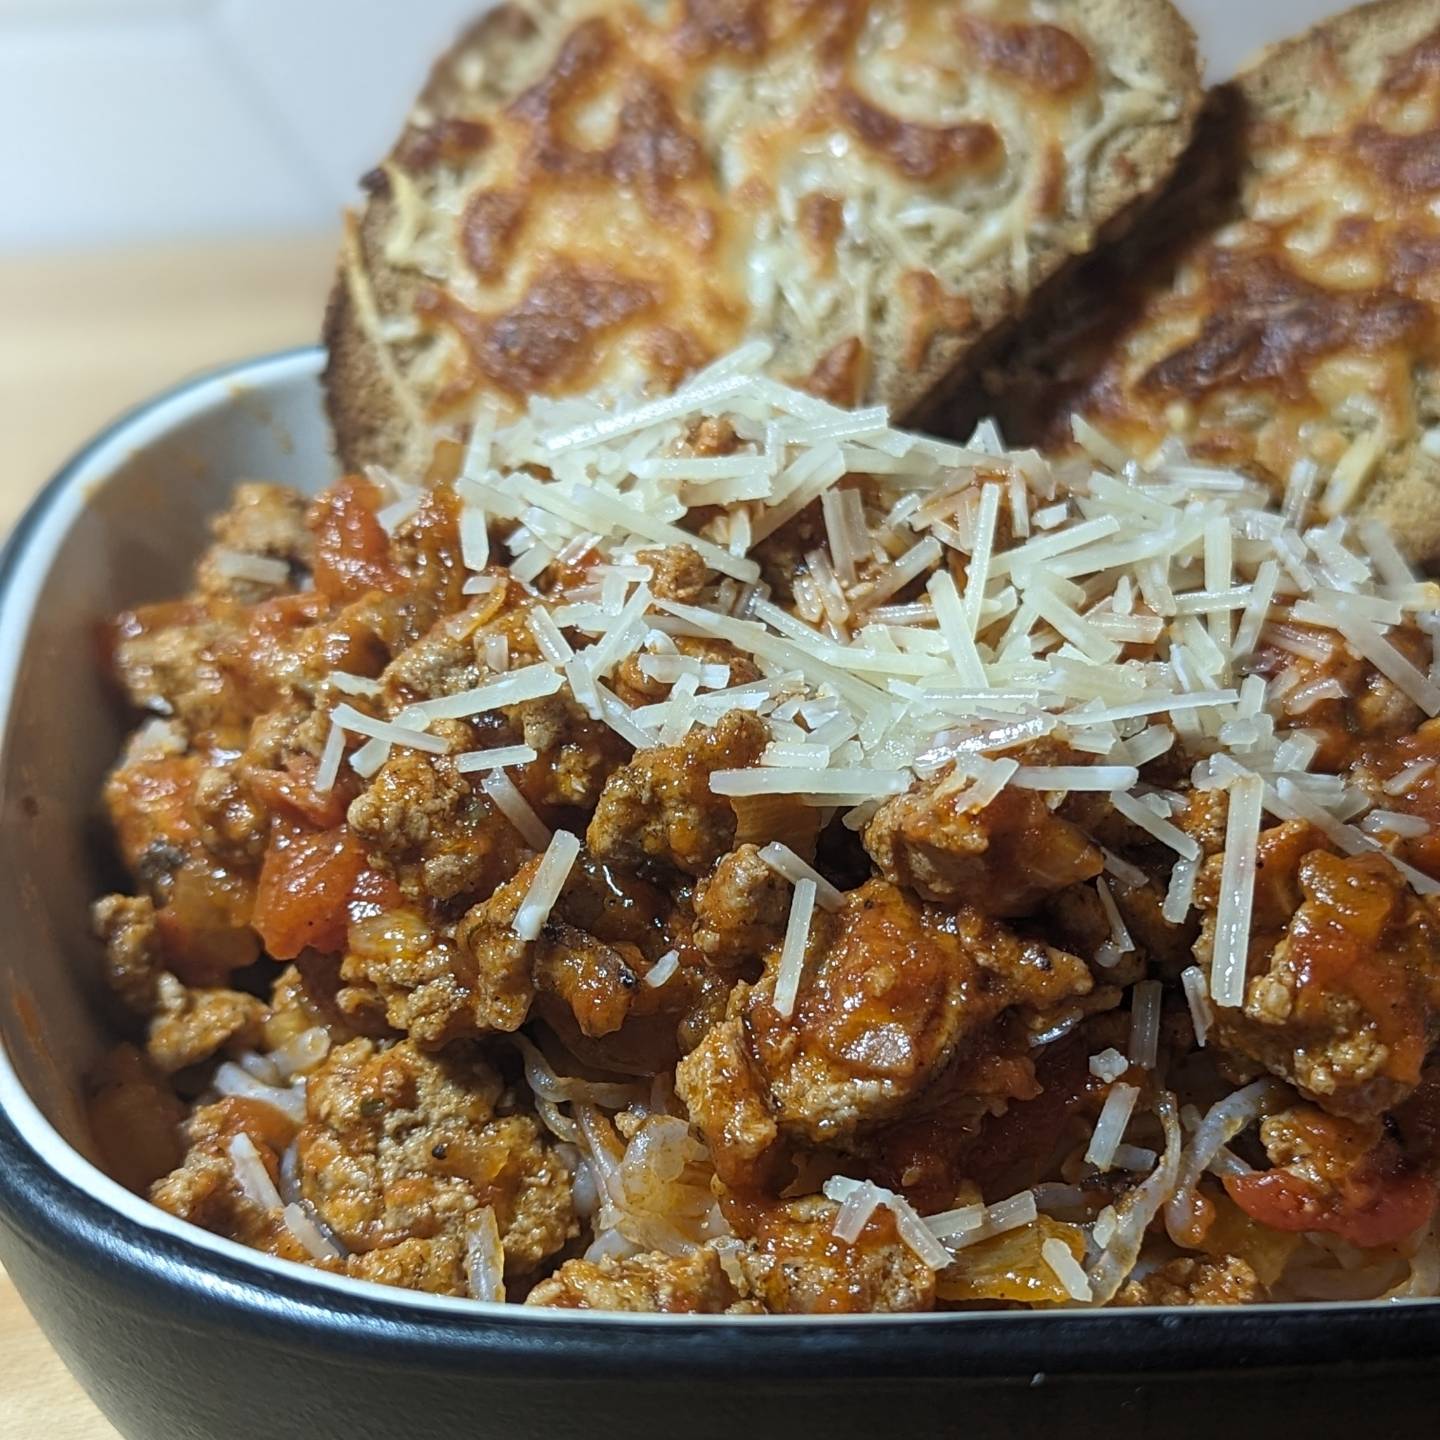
<point x="82" y="338"/>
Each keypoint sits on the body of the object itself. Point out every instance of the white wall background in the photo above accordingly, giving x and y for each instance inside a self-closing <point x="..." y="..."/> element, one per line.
<point x="123" y="121"/>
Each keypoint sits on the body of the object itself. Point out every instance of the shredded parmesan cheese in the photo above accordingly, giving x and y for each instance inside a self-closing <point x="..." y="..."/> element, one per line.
<point x="259" y="569"/>
<point x="1068" y="1270"/>
<point x="785" y="862"/>
<point x="792" y="949"/>
<point x="299" y="1223"/>
<point x="1237" y="890"/>
<point x="1144" y="1023"/>
<point x="251" y="1175"/>
<point x="1406" y="779"/>
<point x="508" y="800"/>
<point x="859" y="1200"/>
<point x="962" y="1228"/>
<point x="328" y="770"/>
<point x="662" y="969"/>
<point x="549" y="879"/>
<point x="496" y="759"/>
<point x="349" y="718"/>
<point x="533" y="682"/>
<point x="1110" y="1127"/>
<point x="1197" y="996"/>
<point x="1108" y="1065"/>
<point x="353" y="684"/>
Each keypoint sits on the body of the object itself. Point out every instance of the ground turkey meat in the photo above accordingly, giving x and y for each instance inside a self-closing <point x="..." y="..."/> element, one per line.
<point x="264" y="520"/>
<point x="725" y="1092"/>
<point x="789" y="1263"/>
<point x="452" y="655"/>
<point x="795" y="1265"/>
<point x="203" y="906"/>
<point x="652" y="1283"/>
<point x="165" y="657"/>
<point x="679" y="572"/>
<point x="205" y="1188"/>
<point x="740" y="909"/>
<point x="1196" y="1280"/>
<point x="1344" y="1000"/>
<point x="399" y="963"/>
<point x="234" y="826"/>
<point x="133" y="960"/>
<point x="582" y="973"/>
<point x="635" y="687"/>
<point x="1002" y="859"/>
<point x="192" y="1025"/>
<point x="493" y="976"/>
<point x="436" y="1266"/>
<point x="575" y="755"/>
<point x="660" y="807"/>
<point x="433" y="829"/>
<point x="401" y="1145"/>
<point x="893" y="992"/>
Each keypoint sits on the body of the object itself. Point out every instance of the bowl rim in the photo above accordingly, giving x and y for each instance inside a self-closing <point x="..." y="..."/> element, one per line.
<point x="57" y="1198"/>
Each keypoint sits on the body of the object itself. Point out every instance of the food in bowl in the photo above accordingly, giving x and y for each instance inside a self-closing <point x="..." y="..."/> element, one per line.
<point x="721" y="853"/>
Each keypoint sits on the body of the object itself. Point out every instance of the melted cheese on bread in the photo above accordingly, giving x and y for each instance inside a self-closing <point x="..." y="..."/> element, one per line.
<point x="602" y="194"/>
<point x="1299" y="322"/>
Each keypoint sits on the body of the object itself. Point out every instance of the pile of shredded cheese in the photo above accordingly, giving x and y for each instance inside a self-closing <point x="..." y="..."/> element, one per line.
<point x="1106" y="602"/>
<point x="1111" y="604"/>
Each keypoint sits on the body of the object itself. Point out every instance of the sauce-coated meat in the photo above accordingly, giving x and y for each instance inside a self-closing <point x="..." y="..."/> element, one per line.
<point x="1001" y="859"/>
<point x="1346" y="1001"/>
<point x="789" y="1264"/>
<point x="451" y="964"/>
<point x="660" y="806"/>
<point x="400" y="1145"/>
<point x="893" y="992"/>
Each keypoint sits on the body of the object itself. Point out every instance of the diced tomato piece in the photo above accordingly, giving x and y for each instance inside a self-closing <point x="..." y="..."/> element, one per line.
<point x="1277" y="1199"/>
<point x="1382" y="1211"/>
<point x="352" y="550"/>
<point x="293" y="790"/>
<point x="204" y="925"/>
<point x="305" y="884"/>
<point x="151" y="802"/>
<point x="373" y="894"/>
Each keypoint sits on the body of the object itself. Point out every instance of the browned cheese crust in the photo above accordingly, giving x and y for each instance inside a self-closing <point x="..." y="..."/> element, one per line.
<point x="1287" y="305"/>
<point x="591" y="192"/>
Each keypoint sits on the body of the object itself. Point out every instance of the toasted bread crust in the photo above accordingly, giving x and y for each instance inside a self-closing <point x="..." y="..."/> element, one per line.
<point x="387" y="398"/>
<point x="364" y="397"/>
<point x="360" y="399"/>
<point x="1291" y="276"/>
